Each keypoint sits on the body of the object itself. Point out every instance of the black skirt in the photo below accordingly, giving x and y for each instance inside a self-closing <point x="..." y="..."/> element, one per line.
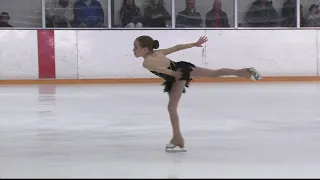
<point x="182" y="66"/>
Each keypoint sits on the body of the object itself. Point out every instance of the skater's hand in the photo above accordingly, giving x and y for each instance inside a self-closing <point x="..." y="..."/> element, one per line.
<point x="202" y="40"/>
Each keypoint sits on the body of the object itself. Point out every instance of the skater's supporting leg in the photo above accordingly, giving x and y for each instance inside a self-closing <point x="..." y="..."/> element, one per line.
<point x="174" y="98"/>
<point x="204" y="72"/>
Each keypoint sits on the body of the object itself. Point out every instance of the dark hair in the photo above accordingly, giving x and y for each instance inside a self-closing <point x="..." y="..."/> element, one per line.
<point x="148" y="42"/>
<point x="124" y="3"/>
<point x="161" y="3"/>
<point x="313" y="6"/>
<point x="5" y="13"/>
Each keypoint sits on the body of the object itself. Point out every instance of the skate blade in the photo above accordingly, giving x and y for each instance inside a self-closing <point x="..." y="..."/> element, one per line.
<point x="175" y="150"/>
<point x="256" y="75"/>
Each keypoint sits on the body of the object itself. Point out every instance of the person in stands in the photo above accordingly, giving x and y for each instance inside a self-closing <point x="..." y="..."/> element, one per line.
<point x="130" y="15"/>
<point x="4" y="20"/>
<point x="155" y="15"/>
<point x="189" y="17"/>
<point x="216" y="17"/>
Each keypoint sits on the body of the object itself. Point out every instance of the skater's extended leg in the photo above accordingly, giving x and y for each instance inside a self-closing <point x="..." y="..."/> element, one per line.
<point x="245" y="72"/>
<point x="174" y="98"/>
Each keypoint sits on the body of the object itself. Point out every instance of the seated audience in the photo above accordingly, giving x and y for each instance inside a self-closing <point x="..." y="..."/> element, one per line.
<point x="216" y="17"/>
<point x="289" y="14"/>
<point x="130" y="15"/>
<point x="189" y="17"/>
<point x="4" y="20"/>
<point x="59" y="13"/>
<point x="88" y="13"/>
<point x="262" y="14"/>
<point x="156" y="15"/>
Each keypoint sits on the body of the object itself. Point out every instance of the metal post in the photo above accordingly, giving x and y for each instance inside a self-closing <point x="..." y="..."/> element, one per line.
<point x="109" y="14"/>
<point x="173" y="19"/>
<point x="43" y="13"/>
<point x="298" y="13"/>
<point x="235" y="5"/>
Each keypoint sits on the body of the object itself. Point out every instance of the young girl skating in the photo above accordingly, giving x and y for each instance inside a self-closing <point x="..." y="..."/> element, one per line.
<point x="177" y="76"/>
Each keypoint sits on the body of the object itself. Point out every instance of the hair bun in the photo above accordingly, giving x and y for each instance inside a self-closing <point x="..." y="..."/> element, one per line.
<point x="155" y="44"/>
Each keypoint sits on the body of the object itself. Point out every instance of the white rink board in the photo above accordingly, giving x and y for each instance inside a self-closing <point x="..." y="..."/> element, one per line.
<point x="66" y="54"/>
<point x="274" y="53"/>
<point x="18" y="54"/>
<point x="87" y="54"/>
<point x="108" y="54"/>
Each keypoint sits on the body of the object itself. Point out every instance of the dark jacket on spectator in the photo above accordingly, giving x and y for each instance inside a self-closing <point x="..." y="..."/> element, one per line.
<point x="313" y="20"/>
<point x="130" y="14"/>
<point x="158" y="22"/>
<point x="91" y="16"/>
<point x="211" y="20"/>
<point x="259" y="16"/>
<point x="188" y="19"/>
<point x="289" y="15"/>
<point x="3" y="24"/>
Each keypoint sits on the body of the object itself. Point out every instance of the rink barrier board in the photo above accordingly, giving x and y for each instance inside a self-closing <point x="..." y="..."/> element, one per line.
<point x="61" y="56"/>
<point x="158" y="80"/>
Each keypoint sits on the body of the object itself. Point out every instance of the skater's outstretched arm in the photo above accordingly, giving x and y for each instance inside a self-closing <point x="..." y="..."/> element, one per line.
<point x="176" y="48"/>
<point x="180" y="47"/>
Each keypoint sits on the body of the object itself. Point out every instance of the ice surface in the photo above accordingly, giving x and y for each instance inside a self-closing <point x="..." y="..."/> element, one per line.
<point x="231" y="130"/>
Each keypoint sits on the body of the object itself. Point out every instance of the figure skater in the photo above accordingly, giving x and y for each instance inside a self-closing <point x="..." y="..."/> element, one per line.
<point x="177" y="76"/>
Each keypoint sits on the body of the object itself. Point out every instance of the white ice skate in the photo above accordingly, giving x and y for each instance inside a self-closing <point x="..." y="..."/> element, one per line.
<point x="255" y="74"/>
<point x="174" y="148"/>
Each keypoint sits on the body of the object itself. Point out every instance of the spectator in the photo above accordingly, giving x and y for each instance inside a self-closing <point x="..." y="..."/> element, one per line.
<point x="130" y="14"/>
<point x="216" y="17"/>
<point x="156" y="15"/>
<point x="303" y="21"/>
<point x="289" y="14"/>
<point x="59" y="13"/>
<point x="4" y="20"/>
<point x="88" y="13"/>
<point x="314" y="17"/>
<point x="262" y="14"/>
<point x="189" y="17"/>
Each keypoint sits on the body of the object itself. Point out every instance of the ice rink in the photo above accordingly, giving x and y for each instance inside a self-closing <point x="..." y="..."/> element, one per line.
<point x="231" y="130"/>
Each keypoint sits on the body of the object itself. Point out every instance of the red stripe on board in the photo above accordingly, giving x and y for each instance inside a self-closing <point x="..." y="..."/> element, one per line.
<point x="46" y="57"/>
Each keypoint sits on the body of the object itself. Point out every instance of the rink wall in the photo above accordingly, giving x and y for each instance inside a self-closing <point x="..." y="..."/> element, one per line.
<point x="106" y="56"/>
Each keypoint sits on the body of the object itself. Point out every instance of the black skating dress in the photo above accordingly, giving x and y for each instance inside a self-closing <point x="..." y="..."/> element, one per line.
<point x="184" y="67"/>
